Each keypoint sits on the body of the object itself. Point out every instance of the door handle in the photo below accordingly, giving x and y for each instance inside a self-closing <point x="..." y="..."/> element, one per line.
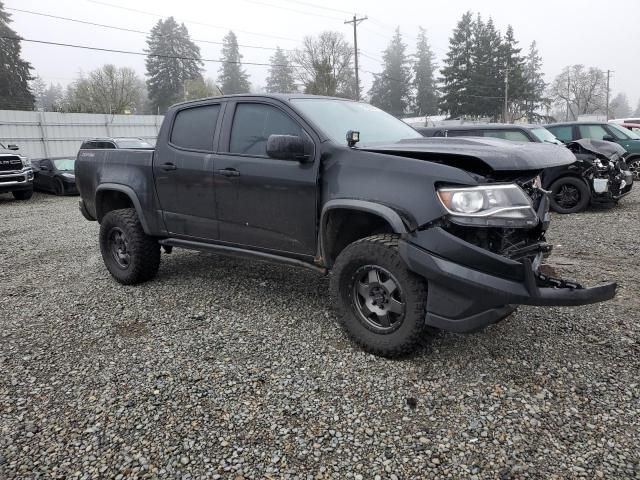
<point x="228" y="172"/>
<point x="168" y="166"/>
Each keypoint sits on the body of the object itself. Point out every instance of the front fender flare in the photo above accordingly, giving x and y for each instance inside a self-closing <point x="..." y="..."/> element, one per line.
<point x="391" y="216"/>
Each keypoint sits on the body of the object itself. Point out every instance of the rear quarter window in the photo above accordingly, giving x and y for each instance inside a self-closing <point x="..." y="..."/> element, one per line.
<point x="194" y="128"/>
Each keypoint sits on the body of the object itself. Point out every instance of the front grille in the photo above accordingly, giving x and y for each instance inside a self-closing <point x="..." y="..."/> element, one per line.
<point x="10" y="163"/>
<point x="12" y="178"/>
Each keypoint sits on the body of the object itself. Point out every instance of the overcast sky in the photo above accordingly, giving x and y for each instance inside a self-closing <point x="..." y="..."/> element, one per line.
<point x="593" y="33"/>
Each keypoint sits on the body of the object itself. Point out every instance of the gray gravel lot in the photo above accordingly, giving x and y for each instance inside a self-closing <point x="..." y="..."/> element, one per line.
<point x="225" y="368"/>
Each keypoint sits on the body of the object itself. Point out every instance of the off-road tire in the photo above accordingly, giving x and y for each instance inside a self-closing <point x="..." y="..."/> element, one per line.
<point x="572" y="182"/>
<point x="381" y="251"/>
<point x="22" y="194"/>
<point x="143" y="250"/>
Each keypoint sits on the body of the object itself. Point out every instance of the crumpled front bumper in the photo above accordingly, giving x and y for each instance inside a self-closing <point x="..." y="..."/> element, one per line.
<point x="470" y="288"/>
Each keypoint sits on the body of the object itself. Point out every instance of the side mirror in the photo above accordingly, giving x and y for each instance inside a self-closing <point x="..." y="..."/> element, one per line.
<point x="608" y="138"/>
<point x="13" y="147"/>
<point x="289" y="147"/>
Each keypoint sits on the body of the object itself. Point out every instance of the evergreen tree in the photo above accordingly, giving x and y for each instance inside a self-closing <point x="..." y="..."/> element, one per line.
<point x="280" y="79"/>
<point x="485" y="93"/>
<point x="391" y="88"/>
<point x="426" y="96"/>
<point x="15" y="74"/>
<point x="232" y="78"/>
<point x="619" y="106"/>
<point x="534" y="83"/>
<point x="637" y="112"/>
<point x="172" y="60"/>
<point x="513" y="65"/>
<point x="456" y="73"/>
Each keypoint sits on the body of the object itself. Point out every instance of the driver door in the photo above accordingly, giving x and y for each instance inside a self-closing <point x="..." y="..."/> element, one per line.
<point x="261" y="202"/>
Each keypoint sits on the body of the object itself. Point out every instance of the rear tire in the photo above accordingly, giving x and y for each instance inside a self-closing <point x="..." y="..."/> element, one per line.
<point x="569" y="195"/>
<point x="58" y="186"/>
<point x="130" y="255"/>
<point x="381" y="303"/>
<point x="23" y="194"/>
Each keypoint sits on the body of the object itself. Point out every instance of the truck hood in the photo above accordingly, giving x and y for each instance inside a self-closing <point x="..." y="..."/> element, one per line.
<point x="479" y="155"/>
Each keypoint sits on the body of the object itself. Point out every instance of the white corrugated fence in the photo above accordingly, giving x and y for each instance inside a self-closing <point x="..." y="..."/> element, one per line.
<point x="52" y="134"/>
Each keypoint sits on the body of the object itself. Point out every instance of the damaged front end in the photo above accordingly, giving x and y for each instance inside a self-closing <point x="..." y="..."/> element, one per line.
<point x="479" y="273"/>
<point x="603" y="166"/>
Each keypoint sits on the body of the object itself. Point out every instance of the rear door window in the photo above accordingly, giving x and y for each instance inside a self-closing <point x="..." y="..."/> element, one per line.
<point x="511" y="135"/>
<point x="252" y="125"/>
<point x="194" y="128"/>
<point x="563" y="133"/>
<point x="594" y="132"/>
<point x="464" y="133"/>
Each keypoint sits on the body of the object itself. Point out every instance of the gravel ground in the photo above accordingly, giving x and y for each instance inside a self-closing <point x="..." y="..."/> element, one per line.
<point x="224" y="368"/>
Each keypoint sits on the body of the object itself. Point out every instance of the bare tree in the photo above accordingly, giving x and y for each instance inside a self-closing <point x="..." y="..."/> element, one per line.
<point x="324" y="65"/>
<point x="583" y="90"/>
<point x="106" y="90"/>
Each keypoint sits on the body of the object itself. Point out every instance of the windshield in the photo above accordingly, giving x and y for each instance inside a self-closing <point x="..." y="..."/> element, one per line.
<point x="545" y="135"/>
<point x="622" y="133"/>
<point x="337" y="117"/>
<point x="65" y="165"/>
<point x="132" y="143"/>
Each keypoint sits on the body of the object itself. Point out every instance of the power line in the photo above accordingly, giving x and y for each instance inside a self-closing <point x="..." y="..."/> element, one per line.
<point x="321" y="7"/>
<point x="129" y="52"/>
<point x="195" y="22"/>
<point x="271" y="5"/>
<point x="113" y="27"/>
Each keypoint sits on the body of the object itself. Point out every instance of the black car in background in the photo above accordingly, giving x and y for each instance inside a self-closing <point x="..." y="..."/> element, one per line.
<point x="55" y="175"/>
<point x="115" y="142"/>
<point x="505" y="131"/>
<point x="608" y="132"/>
<point x="599" y="175"/>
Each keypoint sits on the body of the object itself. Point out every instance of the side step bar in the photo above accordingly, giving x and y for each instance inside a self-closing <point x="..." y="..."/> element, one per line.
<point x="238" y="252"/>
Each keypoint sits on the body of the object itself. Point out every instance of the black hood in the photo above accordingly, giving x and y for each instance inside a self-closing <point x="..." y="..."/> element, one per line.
<point x="495" y="153"/>
<point x="601" y="148"/>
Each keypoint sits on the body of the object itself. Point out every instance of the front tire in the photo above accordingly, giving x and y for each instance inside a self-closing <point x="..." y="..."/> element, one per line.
<point x="130" y="255"/>
<point x="569" y="195"/>
<point x="23" y="194"/>
<point x="381" y="302"/>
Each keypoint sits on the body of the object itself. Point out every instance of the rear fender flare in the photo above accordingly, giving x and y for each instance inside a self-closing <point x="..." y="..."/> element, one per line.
<point x="130" y="193"/>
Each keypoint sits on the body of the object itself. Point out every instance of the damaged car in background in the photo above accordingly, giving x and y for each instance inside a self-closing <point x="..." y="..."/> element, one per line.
<point x="599" y="176"/>
<point x="415" y="233"/>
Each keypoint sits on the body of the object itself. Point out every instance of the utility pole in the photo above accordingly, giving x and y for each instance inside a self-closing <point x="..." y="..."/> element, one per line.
<point x="506" y="94"/>
<point x="609" y="72"/>
<point x="356" y="21"/>
<point x="566" y="117"/>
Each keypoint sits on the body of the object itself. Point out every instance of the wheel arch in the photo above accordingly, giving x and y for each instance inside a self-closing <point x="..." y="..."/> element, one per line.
<point x="355" y="219"/>
<point x="113" y="196"/>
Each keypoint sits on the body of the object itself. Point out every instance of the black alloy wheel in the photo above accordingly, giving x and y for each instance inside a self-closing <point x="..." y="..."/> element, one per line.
<point x="119" y="247"/>
<point x="634" y="167"/>
<point x="377" y="299"/>
<point x="568" y="196"/>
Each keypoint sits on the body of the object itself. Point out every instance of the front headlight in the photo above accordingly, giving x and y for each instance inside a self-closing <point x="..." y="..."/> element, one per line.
<point x="25" y="161"/>
<point x="500" y="205"/>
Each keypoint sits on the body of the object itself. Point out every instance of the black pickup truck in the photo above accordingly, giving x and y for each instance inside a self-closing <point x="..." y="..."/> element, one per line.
<point x="416" y="233"/>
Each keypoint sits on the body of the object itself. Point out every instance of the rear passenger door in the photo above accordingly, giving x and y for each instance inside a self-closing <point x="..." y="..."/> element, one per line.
<point x="265" y="203"/>
<point x="183" y="171"/>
